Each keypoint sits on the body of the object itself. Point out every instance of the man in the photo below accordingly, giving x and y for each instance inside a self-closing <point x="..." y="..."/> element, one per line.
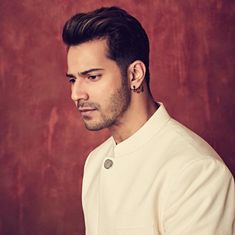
<point x="153" y="176"/>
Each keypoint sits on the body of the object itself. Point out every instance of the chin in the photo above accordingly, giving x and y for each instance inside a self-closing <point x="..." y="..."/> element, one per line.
<point x="98" y="126"/>
<point x="94" y="127"/>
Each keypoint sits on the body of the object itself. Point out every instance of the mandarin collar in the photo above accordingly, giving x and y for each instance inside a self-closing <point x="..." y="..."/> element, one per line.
<point x="154" y="124"/>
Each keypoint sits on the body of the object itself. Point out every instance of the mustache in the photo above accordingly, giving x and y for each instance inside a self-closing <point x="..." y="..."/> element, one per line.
<point x="83" y="104"/>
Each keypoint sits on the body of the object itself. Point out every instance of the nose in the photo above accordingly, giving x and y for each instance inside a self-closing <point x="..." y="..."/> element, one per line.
<point x="78" y="91"/>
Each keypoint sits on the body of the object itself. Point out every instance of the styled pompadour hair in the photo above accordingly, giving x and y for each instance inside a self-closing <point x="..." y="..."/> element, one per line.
<point x="126" y="39"/>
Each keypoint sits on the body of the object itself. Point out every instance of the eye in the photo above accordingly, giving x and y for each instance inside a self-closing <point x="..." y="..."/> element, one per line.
<point x="71" y="80"/>
<point x="93" y="77"/>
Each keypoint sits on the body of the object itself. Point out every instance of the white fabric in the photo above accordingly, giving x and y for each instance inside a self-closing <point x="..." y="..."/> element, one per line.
<point x="165" y="180"/>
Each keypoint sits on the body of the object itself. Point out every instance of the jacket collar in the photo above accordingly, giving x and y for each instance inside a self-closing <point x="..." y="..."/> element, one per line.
<point x="155" y="123"/>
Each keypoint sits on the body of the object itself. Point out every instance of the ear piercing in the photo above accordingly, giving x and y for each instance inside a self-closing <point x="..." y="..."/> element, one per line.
<point x="140" y="89"/>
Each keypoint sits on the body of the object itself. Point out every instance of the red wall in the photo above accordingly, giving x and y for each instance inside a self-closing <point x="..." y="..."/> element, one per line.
<point x="43" y="141"/>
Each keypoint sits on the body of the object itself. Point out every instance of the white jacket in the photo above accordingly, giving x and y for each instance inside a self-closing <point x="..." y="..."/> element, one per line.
<point x="163" y="180"/>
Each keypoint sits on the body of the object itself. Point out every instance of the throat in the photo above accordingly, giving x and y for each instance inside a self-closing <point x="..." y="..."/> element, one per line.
<point x="131" y="123"/>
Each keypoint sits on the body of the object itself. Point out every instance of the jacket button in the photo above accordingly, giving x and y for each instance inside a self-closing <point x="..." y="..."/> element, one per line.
<point x="108" y="163"/>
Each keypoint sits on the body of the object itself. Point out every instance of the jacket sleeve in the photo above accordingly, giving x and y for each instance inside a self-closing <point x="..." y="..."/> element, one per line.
<point x="201" y="200"/>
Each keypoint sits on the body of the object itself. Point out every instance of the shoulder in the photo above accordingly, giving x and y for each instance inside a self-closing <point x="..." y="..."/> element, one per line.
<point x="191" y="164"/>
<point x="183" y="141"/>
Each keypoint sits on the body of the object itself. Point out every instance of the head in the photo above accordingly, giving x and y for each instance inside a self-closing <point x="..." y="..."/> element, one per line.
<point x="102" y="47"/>
<point x="127" y="41"/>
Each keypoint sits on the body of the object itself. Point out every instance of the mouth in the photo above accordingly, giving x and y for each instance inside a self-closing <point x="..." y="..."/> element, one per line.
<point x="86" y="110"/>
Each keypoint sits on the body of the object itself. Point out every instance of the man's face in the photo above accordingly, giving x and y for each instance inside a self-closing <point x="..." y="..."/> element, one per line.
<point x="99" y="91"/>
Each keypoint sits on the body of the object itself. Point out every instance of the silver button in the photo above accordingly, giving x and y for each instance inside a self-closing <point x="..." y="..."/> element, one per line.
<point x="108" y="163"/>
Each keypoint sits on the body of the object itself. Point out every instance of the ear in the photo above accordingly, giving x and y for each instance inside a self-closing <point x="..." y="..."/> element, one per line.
<point x="136" y="74"/>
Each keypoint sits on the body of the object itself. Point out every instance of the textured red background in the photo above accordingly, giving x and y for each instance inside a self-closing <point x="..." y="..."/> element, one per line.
<point x="43" y="141"/>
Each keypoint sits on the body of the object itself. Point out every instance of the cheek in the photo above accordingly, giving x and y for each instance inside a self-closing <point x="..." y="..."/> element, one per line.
<point x="103" y="90"/>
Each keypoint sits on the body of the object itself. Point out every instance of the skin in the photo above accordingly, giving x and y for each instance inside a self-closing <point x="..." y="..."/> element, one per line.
<point x="103" y="97"/>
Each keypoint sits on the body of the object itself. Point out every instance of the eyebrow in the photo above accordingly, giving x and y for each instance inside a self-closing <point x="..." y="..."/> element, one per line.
<point x="84" y="72"/>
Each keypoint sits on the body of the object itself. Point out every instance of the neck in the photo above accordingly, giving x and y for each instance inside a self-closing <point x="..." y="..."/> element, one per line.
<point x="142" y="107"/>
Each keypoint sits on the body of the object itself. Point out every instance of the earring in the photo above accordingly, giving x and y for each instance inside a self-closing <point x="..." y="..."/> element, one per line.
<point x="140" y="89"/>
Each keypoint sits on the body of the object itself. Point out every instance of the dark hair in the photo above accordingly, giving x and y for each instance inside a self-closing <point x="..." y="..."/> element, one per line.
<point x="126" y="39"/>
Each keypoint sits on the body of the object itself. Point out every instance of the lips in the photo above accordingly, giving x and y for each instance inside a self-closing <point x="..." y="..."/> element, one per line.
<point x="86" y="109"/>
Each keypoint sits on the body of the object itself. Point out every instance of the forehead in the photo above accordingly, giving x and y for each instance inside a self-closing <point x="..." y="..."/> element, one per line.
<point x="87" y="55"/>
